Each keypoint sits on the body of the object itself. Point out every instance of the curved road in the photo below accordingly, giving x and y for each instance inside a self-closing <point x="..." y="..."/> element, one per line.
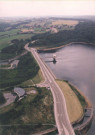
<point x="60" y="110"/>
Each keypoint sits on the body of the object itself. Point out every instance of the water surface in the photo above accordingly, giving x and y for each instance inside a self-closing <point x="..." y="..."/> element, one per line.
<point x="76" y="63"/>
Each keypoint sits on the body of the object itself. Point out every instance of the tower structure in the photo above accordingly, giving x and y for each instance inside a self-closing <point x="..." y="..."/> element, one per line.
<point x="54" y="58"/>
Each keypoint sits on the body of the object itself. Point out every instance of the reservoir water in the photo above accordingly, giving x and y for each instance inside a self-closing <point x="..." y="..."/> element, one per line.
<point x="76" y="63"/>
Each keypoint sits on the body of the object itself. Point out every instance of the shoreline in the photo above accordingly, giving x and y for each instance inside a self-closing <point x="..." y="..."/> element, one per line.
<point x="81" y="124"/>
<point x="84" y="125"/>
<point x="89" y="104"/>
<point x="55" y="48"/>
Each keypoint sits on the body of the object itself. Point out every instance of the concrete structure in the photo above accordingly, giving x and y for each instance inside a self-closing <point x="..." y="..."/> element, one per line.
<point x="20" y="92"/>
<point x="54" y="58"/>
<point x="84" y="125"/>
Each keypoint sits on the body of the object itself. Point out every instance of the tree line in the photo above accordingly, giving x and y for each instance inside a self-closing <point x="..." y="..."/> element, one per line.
<point x="83" y="32"/>
<point x="13" y="50"/>
<point x="27" y="68"/>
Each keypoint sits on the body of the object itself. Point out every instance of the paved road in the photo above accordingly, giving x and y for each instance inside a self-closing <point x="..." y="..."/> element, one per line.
<point x="60" y="110"/>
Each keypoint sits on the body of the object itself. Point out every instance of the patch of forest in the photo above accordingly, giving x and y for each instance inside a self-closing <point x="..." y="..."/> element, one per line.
<point x="29" y="114"/>
<point x="27" y="68"/>
<point x="2" y="99"/>
<point x="13" y="50"/>
<point x="3" y="26"/>
<point x="83" y="32"/>
<point x="10" y="26"/>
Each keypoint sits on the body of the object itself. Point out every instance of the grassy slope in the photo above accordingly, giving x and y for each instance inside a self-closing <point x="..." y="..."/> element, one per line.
<point x="33" y="109"/>
<point x="74" y="107"/>
<point x="13" y="31"/>
<point x="35" y="80"/>
<point x="38" y="78"/>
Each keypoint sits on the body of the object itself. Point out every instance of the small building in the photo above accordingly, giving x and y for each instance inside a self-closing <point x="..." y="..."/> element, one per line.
<point x="54" y="59"/>
<point x="20" y="92"/>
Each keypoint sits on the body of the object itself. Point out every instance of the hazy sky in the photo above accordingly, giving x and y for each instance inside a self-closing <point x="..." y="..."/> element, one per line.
<point x="46" y="7"/>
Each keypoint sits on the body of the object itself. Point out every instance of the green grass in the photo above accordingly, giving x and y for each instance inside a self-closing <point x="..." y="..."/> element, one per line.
<point x="35" y="80"/>
<point x="5" y="56"/>
<point x="4" y="66"/>
<point x="4" y="42"/>
<point x="11" y="32"/>
<point x="6" y="109"/>
<point x="73" y="104"/>
<point x="80" y="97"/>
<point x="38" y="29"/>
<point x="34" y="109"/>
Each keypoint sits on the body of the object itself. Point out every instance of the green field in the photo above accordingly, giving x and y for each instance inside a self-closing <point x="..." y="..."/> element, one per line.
<point x="10" y="32"/>
<point x="5" y="41"/>
<point x="35" y="80"/>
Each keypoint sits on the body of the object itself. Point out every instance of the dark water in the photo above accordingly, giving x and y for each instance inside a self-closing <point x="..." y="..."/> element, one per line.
<point x="76" y="63"/>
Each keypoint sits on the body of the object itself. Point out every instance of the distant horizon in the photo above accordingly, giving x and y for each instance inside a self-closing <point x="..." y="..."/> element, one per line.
<point x="67" y="16"/>
<point x="41" y="8"/>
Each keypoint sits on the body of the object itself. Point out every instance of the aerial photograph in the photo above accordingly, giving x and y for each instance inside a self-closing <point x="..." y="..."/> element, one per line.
<point x="47" y="67"/>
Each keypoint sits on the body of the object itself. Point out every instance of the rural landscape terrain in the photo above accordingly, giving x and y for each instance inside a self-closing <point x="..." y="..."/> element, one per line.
<point x="29" y="90"/>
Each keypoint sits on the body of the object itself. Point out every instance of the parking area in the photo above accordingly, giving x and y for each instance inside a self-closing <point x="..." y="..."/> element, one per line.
<point x="10" y="98"/>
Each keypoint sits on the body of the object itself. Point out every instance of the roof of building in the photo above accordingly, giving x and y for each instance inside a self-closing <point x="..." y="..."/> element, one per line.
<point x="19" y="91"/>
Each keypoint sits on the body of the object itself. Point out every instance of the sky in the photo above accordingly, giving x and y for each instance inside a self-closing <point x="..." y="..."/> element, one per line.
<point x="37" y="8"/>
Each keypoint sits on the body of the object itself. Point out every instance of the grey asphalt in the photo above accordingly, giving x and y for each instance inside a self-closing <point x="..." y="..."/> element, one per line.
<point x="62" y="121"/>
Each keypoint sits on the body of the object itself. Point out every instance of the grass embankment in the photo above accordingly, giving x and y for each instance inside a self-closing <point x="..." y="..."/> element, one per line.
<point x="74" y="107"/>
<point x="28" y="115"/>
<point x="83" y="99"/>
<point x="38" y="78"/>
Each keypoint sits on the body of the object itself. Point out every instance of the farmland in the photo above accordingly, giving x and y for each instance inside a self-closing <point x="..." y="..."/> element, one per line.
<point x="6" y="41"/>
<point x="26" y="29"/>
<point x="65" y="22"/>
<point x="36" y="108"/>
